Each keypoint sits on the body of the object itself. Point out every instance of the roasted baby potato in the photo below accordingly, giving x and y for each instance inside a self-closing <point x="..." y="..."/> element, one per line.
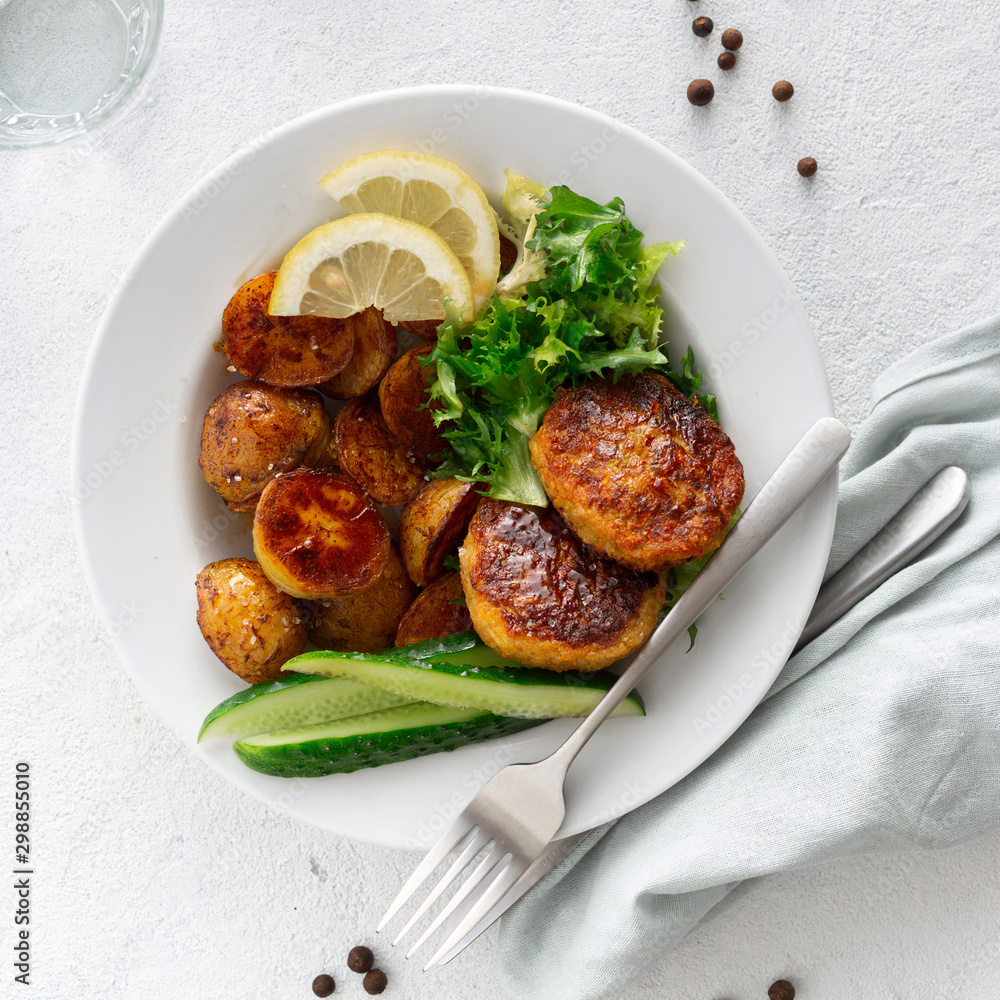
<point x="389" y="472"/>
<point x="250" y="625"/>
<point x="432" y="524"/>
<point x="317" y="535"/>
<point x="425" y="329"/>
<point x="282" y="350"/>
<point x="638" y="471"/>
<point x="365" y="622"/>
<point x="537" y="594"/>
<point x="439" y="610"/>
<point x="254" y="432"/>
<point x="508" y="255"/>
<point x="403" y="396"/>
<point x="374" y="349"/>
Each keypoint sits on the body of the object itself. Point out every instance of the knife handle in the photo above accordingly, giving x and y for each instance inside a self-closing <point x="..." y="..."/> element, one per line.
<point x="929" y="513"/>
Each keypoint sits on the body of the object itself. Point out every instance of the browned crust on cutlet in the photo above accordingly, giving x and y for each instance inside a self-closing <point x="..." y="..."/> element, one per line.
<point x="638" y="471"/>
<point x="537" y="594"/>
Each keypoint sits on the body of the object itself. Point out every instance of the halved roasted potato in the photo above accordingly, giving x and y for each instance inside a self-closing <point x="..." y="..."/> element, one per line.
<point x="317" y="535"/>
<point x="374" y="349"/>
<point x="439" y="610"/>
<point x="403" y="396"/>
<point x="250" y="625"/>
<point x="432" y="524"/>
<point x="365" y="622"/>
<point x="254" y="432"/>
<point x="389" y="471"/>
<point x="282" y="350"/>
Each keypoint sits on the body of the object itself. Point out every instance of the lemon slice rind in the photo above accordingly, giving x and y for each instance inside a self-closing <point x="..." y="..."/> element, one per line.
<point x="430" y="192"/>
<point x="370" y="259"/>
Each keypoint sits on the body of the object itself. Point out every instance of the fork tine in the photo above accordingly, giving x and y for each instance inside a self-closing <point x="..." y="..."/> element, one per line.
<point x="478" y="842"/>
<point x="480" y="907"/>
<point x="449" y="839"/>
<point x="484" y="869"/>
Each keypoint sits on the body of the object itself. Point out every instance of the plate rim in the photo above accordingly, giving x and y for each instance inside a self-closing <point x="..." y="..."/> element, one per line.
<point x="825" y="497"/>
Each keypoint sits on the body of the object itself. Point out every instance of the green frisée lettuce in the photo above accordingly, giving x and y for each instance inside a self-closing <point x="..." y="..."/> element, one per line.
<point x="580" y="300"/>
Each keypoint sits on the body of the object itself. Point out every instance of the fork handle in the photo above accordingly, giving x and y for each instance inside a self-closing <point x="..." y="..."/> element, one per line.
<point x="806" y="466"/>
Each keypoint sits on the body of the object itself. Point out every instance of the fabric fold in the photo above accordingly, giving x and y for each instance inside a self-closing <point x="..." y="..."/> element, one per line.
<point x="882" y="735"/>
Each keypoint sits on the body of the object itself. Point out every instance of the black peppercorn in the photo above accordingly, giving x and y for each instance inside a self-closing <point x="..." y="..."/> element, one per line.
<point x="807" y="166"/>
<point x="782" y="91"/>
<point x="702" y="26"/>
<point x="360" y="959"/>
<point x="732" y="39"/>
<point x="700" y="92"/>
<point x="781" y="990"/>
<point x="726" y="60"/>
<point x="375" y="982"/>
<point x="323" y="985"/>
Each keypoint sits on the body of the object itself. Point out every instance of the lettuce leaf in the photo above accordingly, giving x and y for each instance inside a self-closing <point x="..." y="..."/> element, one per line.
<point x="584" y="302"/>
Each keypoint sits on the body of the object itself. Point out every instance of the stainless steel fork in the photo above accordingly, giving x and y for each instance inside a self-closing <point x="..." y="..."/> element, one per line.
<point x="516" y="814"/>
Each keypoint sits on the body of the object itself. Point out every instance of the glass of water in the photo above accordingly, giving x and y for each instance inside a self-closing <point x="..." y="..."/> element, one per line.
<point x="71" y="66"/>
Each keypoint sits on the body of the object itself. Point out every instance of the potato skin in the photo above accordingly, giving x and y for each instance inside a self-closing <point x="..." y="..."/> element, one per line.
<point x="638" y="471"/>
<point x="365" y="622"/>
<point x="373" y="351"/>
<point x="432" y="524"/>
<point x="317" y="535"/>
<point x="288" y="351"/>
<point x="250" y="625"/>
<point x="537" y="594"/>
<point x="388" y="471"/>
<point x="439" y="610"/>
<point x="425" y="329"/>
<point x="508" y="255"/>
<point x="403" y="395"/>
<point x="254" y="432"/>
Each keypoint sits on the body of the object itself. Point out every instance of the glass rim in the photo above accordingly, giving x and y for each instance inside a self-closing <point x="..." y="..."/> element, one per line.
<point x="79" y="123"/>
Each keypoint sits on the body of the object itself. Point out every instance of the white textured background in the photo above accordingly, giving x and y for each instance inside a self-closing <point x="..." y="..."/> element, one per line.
<point x="153" y="877"/>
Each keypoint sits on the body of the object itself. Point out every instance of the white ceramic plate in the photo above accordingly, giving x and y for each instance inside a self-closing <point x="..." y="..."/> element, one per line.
<point x="147" y="523"/>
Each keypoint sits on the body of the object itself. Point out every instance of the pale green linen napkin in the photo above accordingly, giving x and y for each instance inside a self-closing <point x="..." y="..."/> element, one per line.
<point x="882" y="735"/>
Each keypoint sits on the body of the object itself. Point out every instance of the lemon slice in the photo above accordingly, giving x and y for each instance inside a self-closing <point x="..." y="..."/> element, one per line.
<point x="371" y="260"/>
<point x="433" y="193"/>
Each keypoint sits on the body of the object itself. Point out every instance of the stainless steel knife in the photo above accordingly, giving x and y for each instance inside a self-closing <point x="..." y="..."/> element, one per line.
<point x="930" y="512"/>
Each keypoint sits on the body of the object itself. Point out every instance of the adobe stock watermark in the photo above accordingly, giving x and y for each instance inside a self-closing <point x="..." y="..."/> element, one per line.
<point x="444" y="811"/>
<point x="212" y="528"/>
<point x="634" y="794"/>
<point x="749" y="333"/>
<point x="732" y="694"/>
<point x="129" y="612"/>
<point x="587" y="153"/>
<point x="453" y="119"/>
<point x="131" y="439"/>
<point x="218" y="181"/>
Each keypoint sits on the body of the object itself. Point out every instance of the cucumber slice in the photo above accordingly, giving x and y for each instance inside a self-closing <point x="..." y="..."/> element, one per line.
<point x="516" y="691"/>
<point x="295" y="700"/>
<point x="465" y="648"/>
<point x="371" y="740"/>
<point x="438" y="648"/>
